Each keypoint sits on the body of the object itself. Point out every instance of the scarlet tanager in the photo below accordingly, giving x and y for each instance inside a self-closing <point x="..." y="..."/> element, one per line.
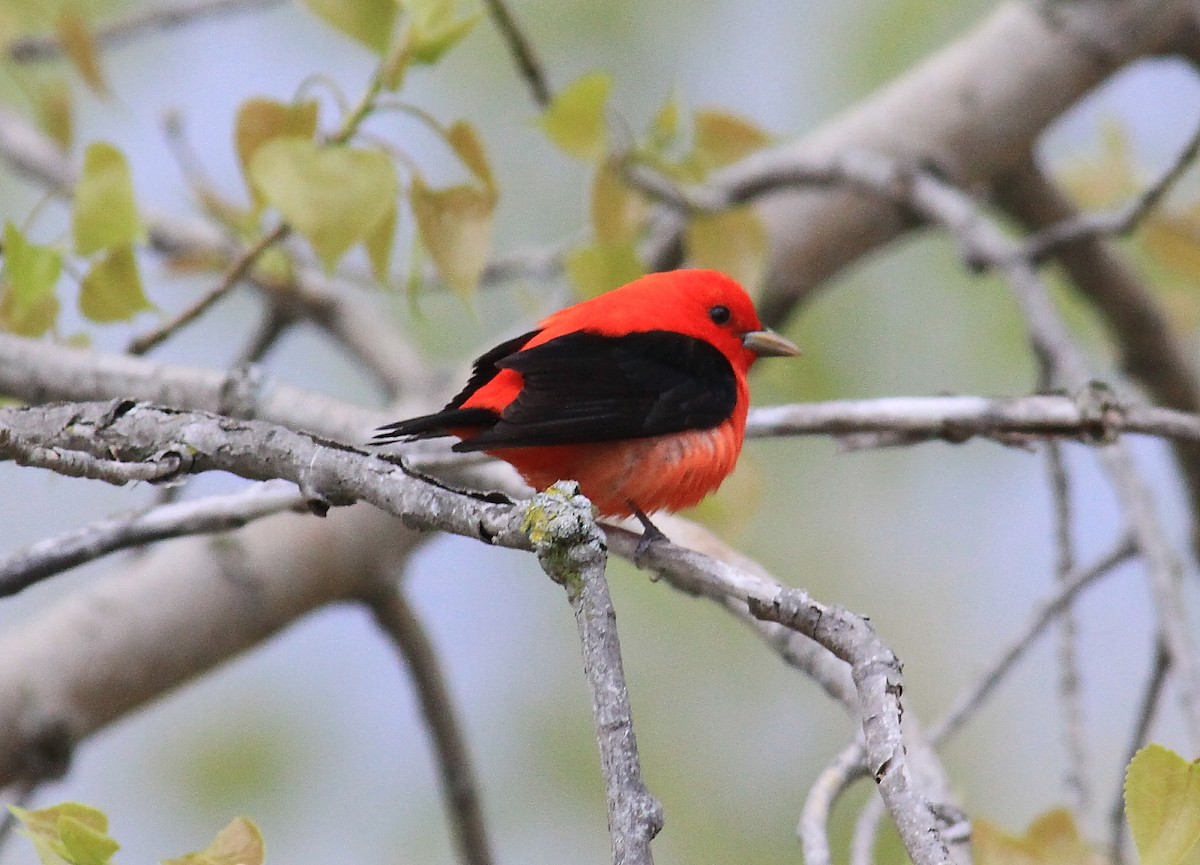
<point x="638" y="394"/>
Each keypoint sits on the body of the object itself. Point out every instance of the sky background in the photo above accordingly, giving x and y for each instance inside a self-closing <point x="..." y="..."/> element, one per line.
<point x="947" y="549"/>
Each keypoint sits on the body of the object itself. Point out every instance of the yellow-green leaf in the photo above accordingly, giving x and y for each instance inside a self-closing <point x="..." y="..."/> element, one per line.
<point x="576" y="120"/>
<point x="52" y="102"/>
<point x="85" y="844"/>
<point x="32" y="270"/>
<point x="1162" y="805"/>
<point x="397" y="60"/>
<point x="239" y="843"/>
<point x="599" y="267"/>
<point x="723" y="138"/>
<point x="618" y="210"/>
<point x="455" y="225"/>
<point x="105" y="213"/>
<point x="1174" y="240"/>
<point x="112" y="288"/>
<point x="437" y="27"/>
<point x="462" y="137"/>
<point x="1052" y="839"/>
<point x="79" y="44"/>
<point x="28" y="305"/>
<point x="1108" y="179"/>
<point x="379" y="243"/>
<point x="69" y="833"/>
<point x="665" y="125"/>
<point x="334" y="196"/>
<point x="367" y="21"/>
<point x="733" y="242"/>
<point x="260" y="119"/>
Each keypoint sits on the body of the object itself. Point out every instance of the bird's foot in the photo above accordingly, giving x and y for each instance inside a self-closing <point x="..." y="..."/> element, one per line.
<point x="651" y="535"/>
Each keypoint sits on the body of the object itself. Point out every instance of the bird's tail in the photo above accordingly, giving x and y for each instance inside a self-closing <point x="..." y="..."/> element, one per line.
<point x="433" y="425"/>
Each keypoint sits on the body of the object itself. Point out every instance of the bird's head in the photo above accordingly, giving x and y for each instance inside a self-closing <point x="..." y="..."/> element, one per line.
<point x="705" y="304"/>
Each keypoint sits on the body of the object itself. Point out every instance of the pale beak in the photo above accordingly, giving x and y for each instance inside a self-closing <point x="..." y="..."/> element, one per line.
<point x="767" y="343"/>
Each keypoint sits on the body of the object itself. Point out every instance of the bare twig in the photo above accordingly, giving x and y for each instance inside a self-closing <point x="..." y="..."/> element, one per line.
<point x="1149" y="350"/>
<point x="1054" y="237"/>
<point x="574" y="553"/>
<point x="136" y="26"/>
<point x="199" y="516"/>
<point x="522" y="51"/>
<point x="22" y="794"/>
<point x="1070" y="697"/>
<point x="238" y="271"/>
<point x="813" y="828"/>
<point x="403" y="627"/>
<point x="1045" y="613"/>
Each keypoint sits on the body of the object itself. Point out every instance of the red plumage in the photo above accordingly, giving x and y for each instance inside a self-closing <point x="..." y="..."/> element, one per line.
<point x="639" y="394"/>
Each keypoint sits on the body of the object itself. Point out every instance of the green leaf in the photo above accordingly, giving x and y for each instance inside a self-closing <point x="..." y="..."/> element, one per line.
<point x="367" y="21"/>
<point x="462" y="137"/>
<point x="665" y="126"/>
<point x="599" y="267"/>
<point x="69" y="833"/>
<point x="85" y="844"/>
<point x="379" y="243"/>
<point x="1052" y="839"/>
<point x="733" y="242"/>
<point x="52" y="102"/>
<point x="1162" y="804"/>
<point x="79" y="44"/>
<point x="722" y="138"/>
<point x="259" y="120"/>
<point x="334" y="196"/>
<point x="618" y="210"/>
<point x="112" y="289"/>
<point x="105" y="213"/>
<point x="239" y="843"/>
<point x="436" y="27"/>
<point x="28" y="305"/>
<point x="455" y="225"/>
<point x="576" y="119"/>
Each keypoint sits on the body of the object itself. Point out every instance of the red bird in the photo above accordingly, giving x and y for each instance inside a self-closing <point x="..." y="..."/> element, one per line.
<point x="639" y="394"/>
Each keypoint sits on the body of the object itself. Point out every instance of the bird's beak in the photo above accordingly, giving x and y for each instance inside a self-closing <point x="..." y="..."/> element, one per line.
<point x="767" y="343"/>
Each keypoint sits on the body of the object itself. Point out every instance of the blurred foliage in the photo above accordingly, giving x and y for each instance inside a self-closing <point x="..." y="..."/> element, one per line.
<point x="76" y="834"/>
<point x="1162" y="803"/>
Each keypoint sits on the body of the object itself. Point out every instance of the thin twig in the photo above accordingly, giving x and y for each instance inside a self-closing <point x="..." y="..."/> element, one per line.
<point x="528" y="64"/>
<point x="574" y="553"/>
<point x="1148" y="710"/>
<point x="1051" y="239"/>
<point x="1045" y="613"/>
<point x="142" y="23"/>
<point x="866" y="831"/>
<point x="835" y="778"/>
<point x="1070" y="697"/>
<point x="240" y="268"/>
<point x="403" y="627"/>
<point x="195" y="517"/>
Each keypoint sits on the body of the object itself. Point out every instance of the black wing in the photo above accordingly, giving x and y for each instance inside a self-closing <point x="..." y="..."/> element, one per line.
<point x="435" y="425"/>
<point x="585" y="387"/>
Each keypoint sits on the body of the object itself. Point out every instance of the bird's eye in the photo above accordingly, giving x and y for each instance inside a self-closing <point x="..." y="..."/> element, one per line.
<point x="719" y="314"/>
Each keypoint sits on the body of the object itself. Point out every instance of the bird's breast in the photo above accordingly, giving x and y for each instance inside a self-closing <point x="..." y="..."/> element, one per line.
<point x="667" y="472"/>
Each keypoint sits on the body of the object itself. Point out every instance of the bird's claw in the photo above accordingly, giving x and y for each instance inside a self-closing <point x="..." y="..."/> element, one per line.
<point x="651" y="535"/>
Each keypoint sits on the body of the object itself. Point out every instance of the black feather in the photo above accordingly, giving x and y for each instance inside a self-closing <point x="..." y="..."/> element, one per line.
<point x="586" y="387"/>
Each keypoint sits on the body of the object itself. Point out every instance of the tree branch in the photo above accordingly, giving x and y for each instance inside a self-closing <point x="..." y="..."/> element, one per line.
<point x="397" y="619"/>
<point x="114" y="34"/>
<point x="194" y="517"/>
<point x="574" y="553"/>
